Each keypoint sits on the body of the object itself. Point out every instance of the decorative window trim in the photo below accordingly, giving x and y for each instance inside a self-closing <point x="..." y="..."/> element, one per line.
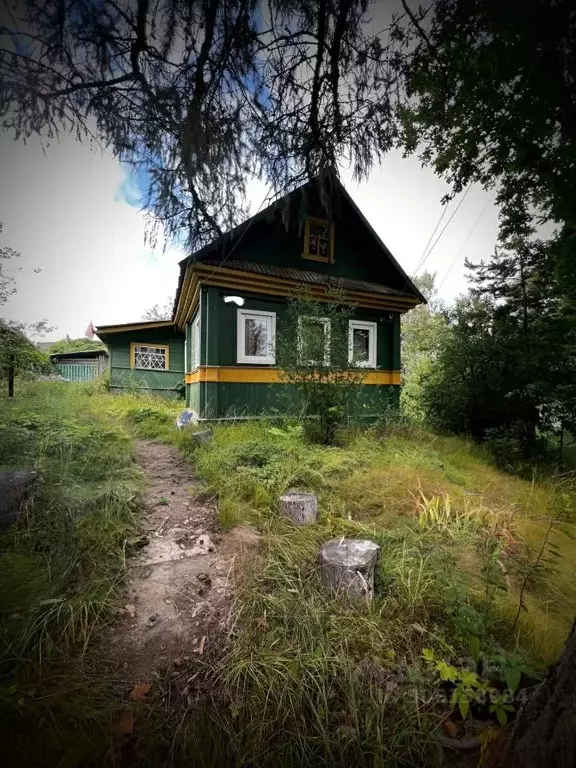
<point x="314" y="257"/>
<point x="372" y="342"/>
<point x="328" y="331"/>
<point x="197" y="336"/>
<point x="241" y="316"/>
<point x="133" y="346"/>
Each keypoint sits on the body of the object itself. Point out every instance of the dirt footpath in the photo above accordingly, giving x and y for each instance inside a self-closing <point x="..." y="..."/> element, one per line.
<point x="176" y="609"/>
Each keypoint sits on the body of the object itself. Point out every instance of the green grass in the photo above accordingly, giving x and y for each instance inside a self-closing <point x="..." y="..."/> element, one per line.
<point x="60" y="566"/>
<point x="313" y="681"/>
<point x="305" y="679"/>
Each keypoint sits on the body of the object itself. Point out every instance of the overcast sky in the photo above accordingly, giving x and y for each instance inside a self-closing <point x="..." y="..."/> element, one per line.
<point x="70" y="212"/>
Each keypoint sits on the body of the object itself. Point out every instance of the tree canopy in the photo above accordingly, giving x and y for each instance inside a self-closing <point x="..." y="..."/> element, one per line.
<point x="201" y="96"/>
<point x="160" y="311"/>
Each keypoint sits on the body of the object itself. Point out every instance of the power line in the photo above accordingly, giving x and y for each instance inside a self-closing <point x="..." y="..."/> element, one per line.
<point x="470" y="233"/>
<point x="421" y="259"/>
<point x="454" y="212"/>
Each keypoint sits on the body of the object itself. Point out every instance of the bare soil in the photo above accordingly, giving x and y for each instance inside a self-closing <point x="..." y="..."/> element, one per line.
<point x="176" y="610"/>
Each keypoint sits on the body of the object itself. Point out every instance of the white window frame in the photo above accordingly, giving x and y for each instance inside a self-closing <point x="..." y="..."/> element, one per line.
<point x="363" y="325"/>
<point x="241" y="316"/>
<point x="197" y="341"/>
<point x="328" y="332"/>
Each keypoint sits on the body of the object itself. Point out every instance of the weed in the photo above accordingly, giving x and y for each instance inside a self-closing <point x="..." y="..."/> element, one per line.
<point x="62" y="562"/>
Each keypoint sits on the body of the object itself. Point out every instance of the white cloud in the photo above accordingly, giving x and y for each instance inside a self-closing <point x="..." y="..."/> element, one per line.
<point x="62" y="210"/>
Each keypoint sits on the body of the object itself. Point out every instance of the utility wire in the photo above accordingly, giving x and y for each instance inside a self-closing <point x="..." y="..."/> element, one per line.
<point x="423" y="256"/>
<point x="470" y="233"/>
<point x="454" y="212"/>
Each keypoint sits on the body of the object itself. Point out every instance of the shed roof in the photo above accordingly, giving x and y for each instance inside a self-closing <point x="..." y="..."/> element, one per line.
<point x="81" y="354"/>
<point x="106" y="330"/>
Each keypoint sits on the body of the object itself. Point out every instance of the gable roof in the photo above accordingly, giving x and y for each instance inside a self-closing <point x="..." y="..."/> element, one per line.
<point x="234" y="235"/>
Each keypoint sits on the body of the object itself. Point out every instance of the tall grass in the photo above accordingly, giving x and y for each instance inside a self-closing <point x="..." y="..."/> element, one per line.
<point x="313" y="681"/>
<point x="60" y="565"/>
<point x="305" y="679"/>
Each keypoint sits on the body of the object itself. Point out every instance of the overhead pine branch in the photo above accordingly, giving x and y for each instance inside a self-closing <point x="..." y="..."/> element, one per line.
<point x="198" y="96"/>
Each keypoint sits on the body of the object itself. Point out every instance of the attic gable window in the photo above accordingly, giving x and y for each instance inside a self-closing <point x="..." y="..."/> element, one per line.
<point x="149" y="357"/>
<point x="318" y="240"/>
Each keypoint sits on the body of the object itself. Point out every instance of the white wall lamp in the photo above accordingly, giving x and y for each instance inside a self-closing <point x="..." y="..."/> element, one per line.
<point x="238" y="300"/>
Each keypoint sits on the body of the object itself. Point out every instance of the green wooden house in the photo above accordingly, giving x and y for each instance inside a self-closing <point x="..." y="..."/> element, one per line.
<point x="232" y="297"/>
<point x="145" y="356"/>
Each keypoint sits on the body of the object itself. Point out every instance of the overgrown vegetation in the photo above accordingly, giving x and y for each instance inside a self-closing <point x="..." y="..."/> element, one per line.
<point x="60" y="566"/>
<point x="77" y="345"/>
<point x="474" y="574"/>
<point x="312" y="352"/>
<point x="474" y="588"/>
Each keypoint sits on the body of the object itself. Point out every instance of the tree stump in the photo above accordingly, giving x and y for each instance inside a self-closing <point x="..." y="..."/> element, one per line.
<point x="301" y="508"/>
<point x="203" y="437"/>
<point x="347" y="565"/>
<point x="15" y="486"/>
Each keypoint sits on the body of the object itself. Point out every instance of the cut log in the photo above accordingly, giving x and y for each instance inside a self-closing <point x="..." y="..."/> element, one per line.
<point x="347" y="566"/>
<point x="15" y="486"/>
<point x="301" y="508"/>
<point x="203" y="437"/>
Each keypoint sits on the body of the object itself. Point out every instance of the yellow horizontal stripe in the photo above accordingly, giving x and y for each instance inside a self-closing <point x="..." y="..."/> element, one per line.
<point x="255" y="375"/>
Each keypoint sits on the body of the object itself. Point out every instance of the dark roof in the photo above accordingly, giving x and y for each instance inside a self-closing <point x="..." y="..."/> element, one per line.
<point x="238" y="231"/>
<point x="82" y="353"/>
<point x="307" y="277"/>
<point x="135" y="326"/>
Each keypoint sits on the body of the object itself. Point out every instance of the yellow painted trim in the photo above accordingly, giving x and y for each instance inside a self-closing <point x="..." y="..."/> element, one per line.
<point x="134" y="344"/>
<point x="237" y="280"/>
<point x="313" y="257"/>
<point x="257" y="375"/>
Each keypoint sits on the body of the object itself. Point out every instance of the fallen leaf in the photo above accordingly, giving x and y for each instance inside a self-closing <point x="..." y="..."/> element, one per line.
<point x="201" y="646"/>
<point x="125" y="726"/>
<point x="139" y="691"/>
<point x="450" y="728"/>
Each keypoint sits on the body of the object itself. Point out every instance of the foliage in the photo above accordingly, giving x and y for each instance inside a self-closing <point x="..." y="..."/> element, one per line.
<point x="76" y="345"/>
<point x="505" y="368"/>
<point x="18" y="355"/>
<point x="312" y="351"/>
<point x="60" y="565"/>
<point x="309" y="680"/>
<point x="202" y="97"/>
<point x="483" y="109"/>
<point x="6" y="281"/>
<point x="423" y="329"/>
<point x="160" y="312"/>
<point x="469" y="689"/>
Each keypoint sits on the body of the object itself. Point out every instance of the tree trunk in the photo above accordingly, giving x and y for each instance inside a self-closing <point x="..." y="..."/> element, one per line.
<point x="15" y="487"/>
<point x="545" y="730"/>
<point x="301" y="508"/>
<point x="11" y="374"/>
<point x="347" y="566"/>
